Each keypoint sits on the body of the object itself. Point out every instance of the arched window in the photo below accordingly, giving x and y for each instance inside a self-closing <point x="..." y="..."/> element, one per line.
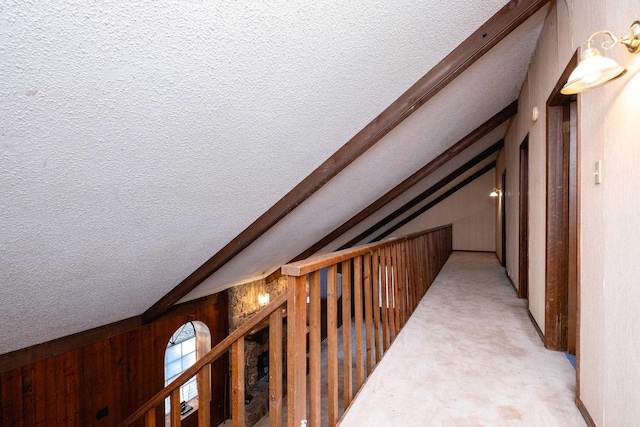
<point x="187" y="344"/>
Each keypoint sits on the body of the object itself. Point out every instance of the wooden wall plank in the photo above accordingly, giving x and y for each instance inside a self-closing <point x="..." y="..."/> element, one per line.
<point x="114" y="375"/>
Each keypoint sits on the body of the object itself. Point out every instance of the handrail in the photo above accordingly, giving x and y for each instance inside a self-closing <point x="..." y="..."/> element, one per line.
<point x="382" y="281"/>
<point x="314" y="263"/>
<point x="208" y="358"/>
<point x="381" y="285"/>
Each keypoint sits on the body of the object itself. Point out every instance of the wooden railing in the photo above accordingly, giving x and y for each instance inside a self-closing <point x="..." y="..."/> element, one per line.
<point x="381" y="284"/>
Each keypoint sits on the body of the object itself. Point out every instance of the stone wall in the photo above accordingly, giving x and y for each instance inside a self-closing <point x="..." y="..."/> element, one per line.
<point x="243" y="299"/>
<point x="243" y="303"/>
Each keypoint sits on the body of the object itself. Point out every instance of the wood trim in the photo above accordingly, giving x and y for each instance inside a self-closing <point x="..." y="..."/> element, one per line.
<point x="585" y="413"/>
<point x="462" y="57"/>
<point x="556" y="97"/>
<point x="300" y="268"/>
<point x="561" y="220"/>
<point x="535" y="325"/>
<point x="503" y="213"/>
<point x="437" y="200"/>
<point x="444" y="157"/>
<point x="425" y="194"/>
<point x="523" y="235"/>
<point x="556" y="229"/>
<point x="25" y="356"/>
<point x="578" y="245"/>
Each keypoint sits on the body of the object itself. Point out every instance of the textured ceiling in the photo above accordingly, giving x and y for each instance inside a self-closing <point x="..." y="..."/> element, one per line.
<point x="138" y="138"/>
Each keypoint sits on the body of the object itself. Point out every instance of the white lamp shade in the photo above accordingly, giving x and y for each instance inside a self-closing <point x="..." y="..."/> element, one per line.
<point x="593" y="71"/>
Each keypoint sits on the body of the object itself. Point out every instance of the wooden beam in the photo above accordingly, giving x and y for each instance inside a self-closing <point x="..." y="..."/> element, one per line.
<point x="462" y="57"/>
<point x="428" y="192"/>
<point x="482" y="130"/>
<point x="436" y="201"/>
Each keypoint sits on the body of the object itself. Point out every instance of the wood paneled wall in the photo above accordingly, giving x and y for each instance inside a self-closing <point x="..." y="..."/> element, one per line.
<point x="102" y="383"/>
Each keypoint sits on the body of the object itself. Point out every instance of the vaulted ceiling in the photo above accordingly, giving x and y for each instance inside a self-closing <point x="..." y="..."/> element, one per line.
<point x="137" y="139"/>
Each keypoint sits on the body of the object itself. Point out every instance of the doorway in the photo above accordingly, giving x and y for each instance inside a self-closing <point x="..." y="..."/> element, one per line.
<point x="523" y="269"/>
<point x="561" y="319"/>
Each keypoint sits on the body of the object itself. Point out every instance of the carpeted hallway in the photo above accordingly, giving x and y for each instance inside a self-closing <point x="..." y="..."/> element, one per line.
<point x="469" y="356"/>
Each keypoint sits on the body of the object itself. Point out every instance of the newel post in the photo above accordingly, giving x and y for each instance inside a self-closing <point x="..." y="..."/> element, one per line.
<point x="297" y="350"/>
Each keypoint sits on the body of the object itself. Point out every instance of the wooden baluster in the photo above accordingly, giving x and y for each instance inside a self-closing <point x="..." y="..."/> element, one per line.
<point x="275" y="369"/>
<point x="368" y="312"/>
<point x="427" y="263"/>
<point x="357" y="300"/>
<point x="390" y="296"/>
<point x="402" y="295"/>
<point x="410" y="277"/>
<point x="204" y="385"/>
<point x="385" y="300"/>
<point x="150" y="418"/>
<point x="347" y="357"/>
<point x="402" y="284"/>
<point x="416" y="273"/>
<point x="332" y="344"/>
<point x="376" y="304"/>
<point x="297" y="351"/>
<point x="175" y="408"/>
<point x="315" y="379"/>
<point x="396" y="286"/>
<point x="237" y="383"/>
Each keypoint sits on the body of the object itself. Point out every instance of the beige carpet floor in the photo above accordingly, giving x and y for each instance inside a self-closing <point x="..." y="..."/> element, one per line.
<point x="469" y="356"/>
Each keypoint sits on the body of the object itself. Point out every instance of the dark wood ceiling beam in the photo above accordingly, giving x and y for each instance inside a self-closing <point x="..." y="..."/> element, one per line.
<point x="425" y="194"/>
<point x="443" y="158"/>
<point x="462" y="57"/>
<point x="435" y="201"/>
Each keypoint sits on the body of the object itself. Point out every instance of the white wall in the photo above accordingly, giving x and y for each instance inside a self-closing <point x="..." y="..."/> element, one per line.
<point x="609" y="213"/>
<point x="471" y="211"/>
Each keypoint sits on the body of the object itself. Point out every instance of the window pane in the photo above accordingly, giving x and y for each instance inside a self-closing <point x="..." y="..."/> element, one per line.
<point x="172" y="369"/>
<point x="189" y="390"/>
<point x="172" y="354"/>
<point x="188" y="360"/>
<point x="189" y="346"/>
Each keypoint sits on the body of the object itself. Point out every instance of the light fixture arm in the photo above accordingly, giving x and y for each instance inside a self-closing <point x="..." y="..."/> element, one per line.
<point x="631" y="40"/>
<point x="606" y="44"/>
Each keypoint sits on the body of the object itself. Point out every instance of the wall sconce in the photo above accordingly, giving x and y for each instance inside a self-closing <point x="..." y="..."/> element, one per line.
<point x="496" y="192"/>
<point x="263" y="299"/>
<point x="595" y="70"/>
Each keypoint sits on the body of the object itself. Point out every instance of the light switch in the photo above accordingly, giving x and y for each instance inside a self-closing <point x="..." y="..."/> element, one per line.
<point x="598" y="172"/>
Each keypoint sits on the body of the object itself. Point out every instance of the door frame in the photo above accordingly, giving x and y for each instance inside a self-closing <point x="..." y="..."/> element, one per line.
<point x="523" y="267"/>
<point x="562" y="218"/>
<point x="503" y="208"/>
